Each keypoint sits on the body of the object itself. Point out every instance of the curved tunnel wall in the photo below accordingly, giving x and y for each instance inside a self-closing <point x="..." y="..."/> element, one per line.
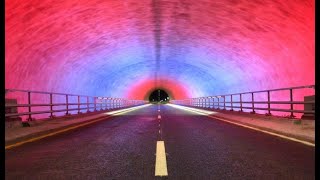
<point x="127" y="48"/>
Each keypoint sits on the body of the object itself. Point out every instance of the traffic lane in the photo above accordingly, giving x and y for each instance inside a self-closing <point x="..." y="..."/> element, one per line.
<point x="120" y="147"/>
<point x="200" y="147"/>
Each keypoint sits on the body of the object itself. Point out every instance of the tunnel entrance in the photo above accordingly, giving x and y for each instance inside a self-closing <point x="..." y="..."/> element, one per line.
<point x="159" y="96"/>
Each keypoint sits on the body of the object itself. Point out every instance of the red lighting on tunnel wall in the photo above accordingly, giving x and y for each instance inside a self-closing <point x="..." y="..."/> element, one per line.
<point x="109" y="48"/>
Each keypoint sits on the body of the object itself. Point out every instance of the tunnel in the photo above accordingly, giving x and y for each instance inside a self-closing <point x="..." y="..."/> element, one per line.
<point x="127" y="48"/>
<point x="133" y="89"/>
<point x="159" y="96"/>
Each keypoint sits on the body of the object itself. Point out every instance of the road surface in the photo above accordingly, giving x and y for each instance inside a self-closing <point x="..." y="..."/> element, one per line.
<point x="196" y="147"/>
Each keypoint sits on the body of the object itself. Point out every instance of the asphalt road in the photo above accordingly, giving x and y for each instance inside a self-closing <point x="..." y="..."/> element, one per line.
<point x="197" y="147"/>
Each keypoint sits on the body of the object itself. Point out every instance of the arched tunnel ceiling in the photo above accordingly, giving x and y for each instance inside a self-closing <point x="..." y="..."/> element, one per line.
<point x="128" y="48"/>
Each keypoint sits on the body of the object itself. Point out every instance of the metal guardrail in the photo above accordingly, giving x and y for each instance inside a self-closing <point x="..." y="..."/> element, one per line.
<point x="209" y="101"/>
<point x="105" y="103"/>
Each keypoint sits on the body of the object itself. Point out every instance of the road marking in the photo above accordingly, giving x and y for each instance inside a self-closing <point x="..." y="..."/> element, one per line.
<point x="245" y="126"/>
<point x="73" y="127"/>
<point x="161" y="161"/>
<point x="158" y="110"/>
<point x="159" y="116"/>
<point x="267" y="132"/>
<point x="122" y="111"/>
<point x="199" y="111"/>
<point x="54" y="133"/>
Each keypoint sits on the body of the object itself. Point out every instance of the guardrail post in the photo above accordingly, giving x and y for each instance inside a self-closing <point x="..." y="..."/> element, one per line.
<point x="269" y="113"/>
<point x="29" y="107"/>
<point x="213" y="102"/>
<point x="252" y="101"/>
<point x="95" y="104"/>
<point x="101" y="104"/>
<point x="240" y="102"/>
<point x="88" y="109"/>
<point x="51" y="107"/>
<point x="224" y="102"/>
<point x="67" y="105"/>
<point x="78" y="104"/>
<point x="231" y="104"/>
<point x="291" y="105"/>
<point x="209" y="102"/>
<point x="218" y="103"/>
<point x="111" y="103"/>
<point x="205" y="102"/>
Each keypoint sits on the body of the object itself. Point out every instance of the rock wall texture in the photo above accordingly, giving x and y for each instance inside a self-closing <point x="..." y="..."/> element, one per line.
<point x="127" y="48"/>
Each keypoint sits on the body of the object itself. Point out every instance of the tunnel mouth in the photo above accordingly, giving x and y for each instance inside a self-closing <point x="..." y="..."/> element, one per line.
<point x="159" y="96"/>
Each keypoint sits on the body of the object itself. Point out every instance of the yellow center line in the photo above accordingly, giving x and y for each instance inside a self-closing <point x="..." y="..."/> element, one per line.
<point x="161" y="161"/>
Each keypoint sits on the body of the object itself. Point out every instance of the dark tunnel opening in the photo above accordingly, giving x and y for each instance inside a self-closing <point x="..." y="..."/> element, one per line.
<point x="159" y="96"/>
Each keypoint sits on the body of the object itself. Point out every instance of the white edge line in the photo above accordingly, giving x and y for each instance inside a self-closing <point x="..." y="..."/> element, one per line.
<point x="267" y="132"/>
<point x="253" y="128"/>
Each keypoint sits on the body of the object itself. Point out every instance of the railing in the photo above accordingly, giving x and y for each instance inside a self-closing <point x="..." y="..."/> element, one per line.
<point x="104" y="103"/>
<point x="220" y="102"/>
